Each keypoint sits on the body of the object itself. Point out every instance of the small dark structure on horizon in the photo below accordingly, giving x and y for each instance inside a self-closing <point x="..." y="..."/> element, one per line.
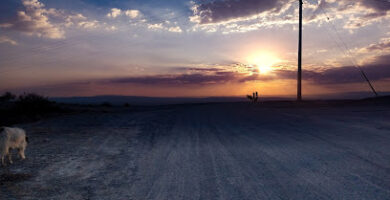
<point x="254" y="97"/>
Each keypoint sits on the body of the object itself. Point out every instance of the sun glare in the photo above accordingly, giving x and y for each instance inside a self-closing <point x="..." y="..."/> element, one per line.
<point x="264" y="61"/>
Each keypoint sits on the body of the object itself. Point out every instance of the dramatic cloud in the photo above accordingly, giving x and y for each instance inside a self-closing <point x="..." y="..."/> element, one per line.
<point x="36" y="20"/>
<point x="132" y="13"/>
<point x="380" y="60"/>
<point x="219" y="11"/>
<point x="196" y="76"/>
<point x="378" y="69"/>
<point x="166" y="26"/>
<point x="137" y="19"/>
<point x="378" y="48"/>
<point x="5" y="39"/>
<point x="237" y="74"/>
<point x="116" y="12"/>
<point x="156" y="26"/>
<point x="230" y="16"/>
<point x="380" y="6"/>
<point x="357" y="13"/>
<point x="81" y="21"/>
<point x="240" y="16"/>
<point x="210" y="69"/>
<point x="383" y="45"/>
<point x="149" y="38"/>
<point x="187" y="79"/>
<point x="175" y="29"/>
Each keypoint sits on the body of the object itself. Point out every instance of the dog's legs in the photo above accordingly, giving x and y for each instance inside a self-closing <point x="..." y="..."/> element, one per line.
<point x="3" y="154"/>
<point x="10" y="157"/>
<point x="21" y="153"/>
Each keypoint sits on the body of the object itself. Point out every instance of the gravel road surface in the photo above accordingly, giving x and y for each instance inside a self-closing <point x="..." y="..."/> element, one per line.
<point x="211" y="151"/>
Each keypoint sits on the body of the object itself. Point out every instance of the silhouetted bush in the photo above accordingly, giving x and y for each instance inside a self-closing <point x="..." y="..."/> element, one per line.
<point x="27" y="108"/>
<point x="7" y="96"/>
<point x="249" y="97"/>
<point x="34" y="104"/>
<point x="126" y="105"/>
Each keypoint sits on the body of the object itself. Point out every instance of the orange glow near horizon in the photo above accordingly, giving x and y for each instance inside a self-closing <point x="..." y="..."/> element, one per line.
<point x="263" y="60"/>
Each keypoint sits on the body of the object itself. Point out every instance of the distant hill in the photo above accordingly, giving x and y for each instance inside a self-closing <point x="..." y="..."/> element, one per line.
<point x="139" y="100"/>
<point x="136" y="100"/>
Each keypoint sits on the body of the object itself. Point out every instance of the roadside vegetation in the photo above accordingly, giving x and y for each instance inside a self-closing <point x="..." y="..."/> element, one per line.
<point x="25" y="108"/>
<point x="31" y="107"/>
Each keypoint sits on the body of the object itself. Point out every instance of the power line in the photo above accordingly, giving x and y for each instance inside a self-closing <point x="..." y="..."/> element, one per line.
<point x="349" y="53"/>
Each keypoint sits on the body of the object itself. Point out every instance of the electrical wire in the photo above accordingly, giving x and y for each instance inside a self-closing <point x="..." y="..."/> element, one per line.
<point x="347" y="51"/>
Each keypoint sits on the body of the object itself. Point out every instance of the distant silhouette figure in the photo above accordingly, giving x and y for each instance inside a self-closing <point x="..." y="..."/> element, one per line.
<point x="249" y="97"/>
<point x="253" y="98"/>
<point x="256" y="97"/>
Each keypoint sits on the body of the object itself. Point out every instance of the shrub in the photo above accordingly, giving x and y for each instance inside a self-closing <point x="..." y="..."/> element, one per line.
<point x="34" y="104"/>
<point x="7" y="96"/>
<point x="249" y="97"/>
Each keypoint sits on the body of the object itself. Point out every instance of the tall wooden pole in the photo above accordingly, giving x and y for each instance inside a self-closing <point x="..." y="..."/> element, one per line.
<point x="299" y="90"/>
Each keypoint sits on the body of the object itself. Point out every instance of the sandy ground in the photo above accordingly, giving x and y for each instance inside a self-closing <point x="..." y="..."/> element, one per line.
<point x="212" y="151"/>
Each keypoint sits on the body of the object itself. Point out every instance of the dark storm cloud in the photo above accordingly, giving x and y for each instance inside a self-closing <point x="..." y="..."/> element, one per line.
<point x="378" y="5"/>
<point x="374" y="9"/>
<point x="347" y="74"/>
<point x="199" y="69"/>
<point x="205" y="69"/>
<point x="379" y="69"/>
<point x="382" y="60"/>
<point x="224" y="10"/>
<point x="218" y="11"/>
<point x="180" y="79"/>
<point x="198" y="78"/>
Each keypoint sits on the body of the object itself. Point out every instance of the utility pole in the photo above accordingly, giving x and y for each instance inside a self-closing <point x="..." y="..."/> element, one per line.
<point x="368" y="81"/>
<point x="299" y="89"/>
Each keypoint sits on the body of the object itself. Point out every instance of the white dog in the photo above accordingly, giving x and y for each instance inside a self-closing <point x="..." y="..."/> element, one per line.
<point x="12" y="138"/>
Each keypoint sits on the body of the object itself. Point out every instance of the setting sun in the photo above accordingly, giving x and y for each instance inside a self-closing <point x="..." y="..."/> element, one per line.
<point x="264" y="61"/>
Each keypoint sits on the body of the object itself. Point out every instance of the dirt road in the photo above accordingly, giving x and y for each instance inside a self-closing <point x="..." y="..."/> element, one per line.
<point x="212" y="151"/>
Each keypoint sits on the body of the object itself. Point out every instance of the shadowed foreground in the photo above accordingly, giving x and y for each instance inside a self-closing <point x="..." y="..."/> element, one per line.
<point x="211" y="151"/>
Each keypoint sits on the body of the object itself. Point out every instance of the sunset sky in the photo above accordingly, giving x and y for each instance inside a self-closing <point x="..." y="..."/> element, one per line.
<point x="193" y="48"/>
